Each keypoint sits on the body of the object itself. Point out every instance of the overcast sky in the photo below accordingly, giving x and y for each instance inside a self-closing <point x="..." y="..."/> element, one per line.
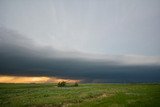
<point x="92" y="40"/>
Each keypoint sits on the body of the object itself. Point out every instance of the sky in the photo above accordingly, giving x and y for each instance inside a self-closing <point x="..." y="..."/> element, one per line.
<point x="86" y="40"/>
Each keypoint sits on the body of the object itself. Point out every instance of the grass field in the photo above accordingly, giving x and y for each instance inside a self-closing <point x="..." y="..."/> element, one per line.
<point x="85" y="95"/>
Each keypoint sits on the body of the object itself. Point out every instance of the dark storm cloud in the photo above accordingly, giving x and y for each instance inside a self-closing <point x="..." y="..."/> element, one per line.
<point x="21" y="56"/>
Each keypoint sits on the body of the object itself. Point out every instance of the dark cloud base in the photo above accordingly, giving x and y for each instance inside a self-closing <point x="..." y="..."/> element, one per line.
<point x="80" y="70"/>
<point x="19" y="56"/>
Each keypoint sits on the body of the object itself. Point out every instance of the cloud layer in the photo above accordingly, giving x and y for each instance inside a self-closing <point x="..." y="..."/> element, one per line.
<point x="112" y="27"/>
<point x="22" y="56"/>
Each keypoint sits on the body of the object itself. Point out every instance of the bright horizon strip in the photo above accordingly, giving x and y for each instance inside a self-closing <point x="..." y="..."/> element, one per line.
<point x="33" y="79"/>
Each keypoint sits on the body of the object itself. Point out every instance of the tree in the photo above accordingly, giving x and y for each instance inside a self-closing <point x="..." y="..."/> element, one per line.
<point x="61" y="84"/>
<point x="76" y="84"/>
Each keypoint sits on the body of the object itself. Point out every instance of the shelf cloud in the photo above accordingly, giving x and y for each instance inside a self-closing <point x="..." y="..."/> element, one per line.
<point x="21" y="56"/>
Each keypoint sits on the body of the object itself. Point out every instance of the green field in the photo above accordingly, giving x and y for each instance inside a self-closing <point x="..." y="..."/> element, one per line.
<point x="85" y="95"/>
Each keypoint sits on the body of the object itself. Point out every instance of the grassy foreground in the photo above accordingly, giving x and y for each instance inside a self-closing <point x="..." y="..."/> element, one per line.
<point x="85" y="95"/>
